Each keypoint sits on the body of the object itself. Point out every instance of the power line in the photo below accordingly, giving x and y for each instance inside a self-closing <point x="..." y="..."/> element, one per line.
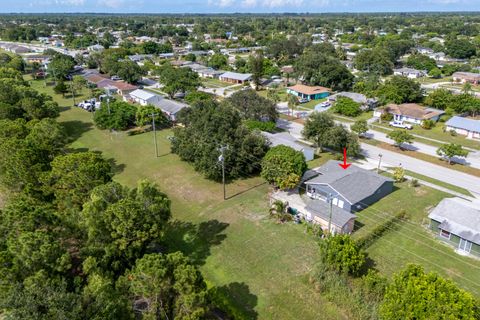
<point x="386" y="215"/>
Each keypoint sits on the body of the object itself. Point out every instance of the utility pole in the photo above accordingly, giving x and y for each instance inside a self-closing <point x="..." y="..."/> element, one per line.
<point x="330" y="201"/>
<point x="73" y="92"/>
<point x="221" y="159"/>
<point x="379" y="162"/>
<point x="154" y="133"/>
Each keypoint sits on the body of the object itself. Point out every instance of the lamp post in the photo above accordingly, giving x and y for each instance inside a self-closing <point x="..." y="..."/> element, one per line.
<point x="379" y="162"/>
<point x="221" y="159"/>
<point x="155" y="133"/>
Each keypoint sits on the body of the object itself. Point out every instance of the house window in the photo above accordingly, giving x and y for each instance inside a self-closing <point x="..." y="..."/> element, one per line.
<point x="444" y="234"/>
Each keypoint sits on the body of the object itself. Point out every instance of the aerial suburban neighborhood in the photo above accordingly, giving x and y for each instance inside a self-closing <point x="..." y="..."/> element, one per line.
<point x="239" y="160"/>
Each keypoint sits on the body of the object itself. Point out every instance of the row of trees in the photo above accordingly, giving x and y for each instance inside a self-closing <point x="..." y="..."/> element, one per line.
<point x="76" y="245"/>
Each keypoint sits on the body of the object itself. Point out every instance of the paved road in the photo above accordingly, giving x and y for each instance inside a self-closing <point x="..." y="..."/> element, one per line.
<point x="473" y="159"/>
<point x="444" y="85"/>
<point x="393" y="159"/>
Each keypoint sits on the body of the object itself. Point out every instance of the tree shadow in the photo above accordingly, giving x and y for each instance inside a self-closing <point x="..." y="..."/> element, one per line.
<point x="75" y="129"/>
<point x="233" y="301"/>
<point x="194" y="240"/>
<point x="116" y="167"/>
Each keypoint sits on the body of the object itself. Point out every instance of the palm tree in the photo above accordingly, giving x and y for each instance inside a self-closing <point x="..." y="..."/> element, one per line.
<point x="292" y="102"/>
<point x="279" y="211"/>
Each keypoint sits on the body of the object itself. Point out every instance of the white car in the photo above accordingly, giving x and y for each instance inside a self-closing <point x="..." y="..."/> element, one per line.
<point x="400" y="124"/>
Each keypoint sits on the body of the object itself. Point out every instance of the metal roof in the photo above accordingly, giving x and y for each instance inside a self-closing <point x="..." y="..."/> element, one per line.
<point x="460" y="217"/>
<point x="286" y="139"/>
<point x="464" y="123"/>
<point x="236" y="76"/>
<point x="142" y="94"/>
<point x="321" y="208"/>
<point x="169" y="106"/>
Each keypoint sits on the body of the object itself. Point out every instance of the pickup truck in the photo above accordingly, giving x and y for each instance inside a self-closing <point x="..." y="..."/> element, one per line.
<point x="399" y="124"/>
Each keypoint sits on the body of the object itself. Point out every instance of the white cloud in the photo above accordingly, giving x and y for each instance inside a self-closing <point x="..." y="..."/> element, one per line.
<point x="221" y="3"/>
<point x="282" y="3"/>
<point x="111" y="3"/>
<point x="249" y="3"/>
<point x="68" y="3"/>
<point x="263" y="3"/>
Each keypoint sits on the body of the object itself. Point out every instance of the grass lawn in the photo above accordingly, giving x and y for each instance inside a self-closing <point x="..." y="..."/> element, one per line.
<point x="215" y="83"/>
<point x="262" y="266"/>
<point x="408" y="241"/>
<point x="281" y="93"/>
<point x="427" y="80"/>
<point x="438" y="183"/>
<point x="363" y="116"/>
<point x="435" y="133"/>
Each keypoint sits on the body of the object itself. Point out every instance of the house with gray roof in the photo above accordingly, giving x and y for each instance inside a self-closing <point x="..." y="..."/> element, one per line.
<point x="351" y="189"/>
<point x="286" y="139"/>
<point x="316" y="211"/>
<point x="170" y="107"/>
<point x="464" y="126"/>
<point x="410" y="73"/>
<point x="457" y="222"/>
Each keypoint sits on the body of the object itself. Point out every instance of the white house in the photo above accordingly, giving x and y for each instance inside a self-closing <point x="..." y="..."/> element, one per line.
<point x="410" y="73"/>
<point x="143" y="97"/>
<point x="409" y="112"/>
<point x="464" y="126"/>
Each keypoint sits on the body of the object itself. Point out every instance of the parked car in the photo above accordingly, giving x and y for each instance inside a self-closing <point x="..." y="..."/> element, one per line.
<point x="400" y="124"/>
<point x="303" y="100"/>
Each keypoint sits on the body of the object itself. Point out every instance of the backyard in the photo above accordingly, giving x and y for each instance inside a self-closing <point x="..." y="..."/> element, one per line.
<point x="261" y="265"/>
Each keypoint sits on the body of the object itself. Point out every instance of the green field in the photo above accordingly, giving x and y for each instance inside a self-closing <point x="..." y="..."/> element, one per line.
<point x="261" y="265"/>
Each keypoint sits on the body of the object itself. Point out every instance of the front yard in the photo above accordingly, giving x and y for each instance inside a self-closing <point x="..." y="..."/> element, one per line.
<point x="436" y="133"/>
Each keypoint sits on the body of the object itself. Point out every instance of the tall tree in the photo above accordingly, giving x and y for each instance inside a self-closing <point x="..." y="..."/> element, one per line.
<point x="317" y="128"/>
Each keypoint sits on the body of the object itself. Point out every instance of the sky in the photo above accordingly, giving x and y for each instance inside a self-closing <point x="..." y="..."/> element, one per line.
<point x="234" y="6"/>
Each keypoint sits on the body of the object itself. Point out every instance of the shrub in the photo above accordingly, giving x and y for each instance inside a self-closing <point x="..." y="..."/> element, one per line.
<point x="389" y="224"/>
<point x="268" y="126"/>
<point x="340" y="253"/>
<point x="414" y="183"/>
<point x="347" y="107"/>
<point x="398" y="174"/>
<point x="386" y="117"/>
<point x="428" y="124"/>
<point x="453" y="133"/>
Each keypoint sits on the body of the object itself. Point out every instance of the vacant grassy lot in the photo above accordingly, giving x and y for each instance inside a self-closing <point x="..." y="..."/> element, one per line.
<point x="261" y="265"/>
<point x="409" y="241"/>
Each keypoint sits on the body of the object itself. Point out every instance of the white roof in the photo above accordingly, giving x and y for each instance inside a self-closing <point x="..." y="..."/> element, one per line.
<point x="460" y="217"/>
<point x="142" y="94"/>
<point x="236" y="76"/>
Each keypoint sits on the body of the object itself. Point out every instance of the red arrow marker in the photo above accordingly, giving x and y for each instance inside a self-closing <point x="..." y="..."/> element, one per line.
<point x="344" y="165"/>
